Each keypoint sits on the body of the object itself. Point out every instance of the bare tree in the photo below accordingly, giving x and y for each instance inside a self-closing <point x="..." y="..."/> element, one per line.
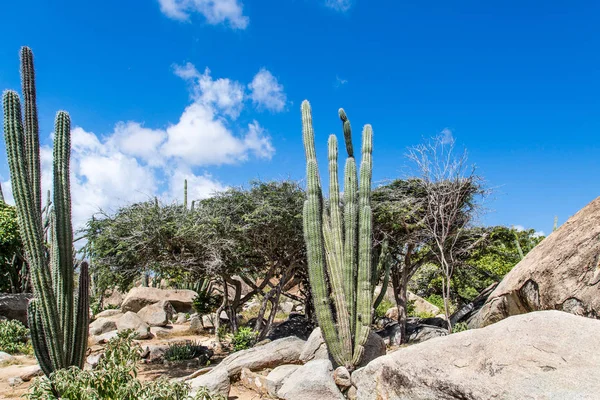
<point x="451" y="189"/>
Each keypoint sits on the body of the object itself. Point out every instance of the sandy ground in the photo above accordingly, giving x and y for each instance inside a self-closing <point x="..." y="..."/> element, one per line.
<point x="146" y="371"/>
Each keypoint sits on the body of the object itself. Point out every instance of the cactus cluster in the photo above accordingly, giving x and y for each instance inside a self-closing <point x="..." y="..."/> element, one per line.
<point x="58" y="318"/>
<point x="339" y="243"/>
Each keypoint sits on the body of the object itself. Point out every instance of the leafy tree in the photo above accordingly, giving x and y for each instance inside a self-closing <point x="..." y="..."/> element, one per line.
<point x="14" y="274"/>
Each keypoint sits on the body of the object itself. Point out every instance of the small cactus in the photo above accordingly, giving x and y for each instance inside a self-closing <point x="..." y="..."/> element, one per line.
<point x="339" y="244"/>
<point x="58" y="320"/>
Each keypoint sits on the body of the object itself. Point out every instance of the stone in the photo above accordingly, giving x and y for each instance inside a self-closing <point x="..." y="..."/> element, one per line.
<point x="270" y="355"/>
<point x="139" y="297"/>
<point x="467" y="312"/>
<point x="216" y="381"/>
<point x="421" y="306"/>
<point x="93" y="359"/>
<point x="313" y="380"/>
<point x="196" y="325"/>
<point x="131" y="320"/>
<point x="254" y="381"/>
<point x="154" y="353"/>
<point x="114" y="298"/>
<point x="161" y="332"/>
<point x="550" y="355"/>
<point x="423" y="333"/>
<point x="208" y="321"/>
<point x="30" y="372"/>
<point x="14" y="306"/>
<point x="316" y="349"/>
<point x="15" y="381"/>
<point x="157" y="314"/>
<point x="561" y="273"/>
<point x="4" y="357"/>
<point x="181" y="318"/>
<point x="286" y="307"/>
<point x="342" y="378"/>
<point x="277" y="376"/>
<point x="104" y="338"/>
<point x="104" y="324"/>
<point x="109" y="313"/>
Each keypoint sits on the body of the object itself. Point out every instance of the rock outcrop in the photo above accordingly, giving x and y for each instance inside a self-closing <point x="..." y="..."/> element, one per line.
<point x="157" y="314"/>
<point x="313" y="380"/>
<point x="139" y="297"/>
<point x="131" y="321"/>
<point x="550" y="355"/>
<point x="561" y="273"/>
<point x="14" y="306"/>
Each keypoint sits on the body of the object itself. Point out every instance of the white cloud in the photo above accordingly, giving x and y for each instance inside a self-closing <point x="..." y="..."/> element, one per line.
<point x="446" y="136"/>
<point x="539" y="234"/>
<point x="340" y="82"/>
<point x="266" y="92"/>
<point x="519" y="228"/>
<point x="134" y="162"/>
<point x="216" y="12"/>
<point x="339" y="5"/>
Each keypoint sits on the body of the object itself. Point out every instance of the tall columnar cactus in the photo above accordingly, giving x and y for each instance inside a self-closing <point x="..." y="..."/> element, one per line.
<point x="58" y="320"/>
<point x="339" y="243"/>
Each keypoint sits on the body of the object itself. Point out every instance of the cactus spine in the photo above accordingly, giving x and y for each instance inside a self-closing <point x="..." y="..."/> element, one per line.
<point x="58" y="320"/>
<point x="339" y="244"/>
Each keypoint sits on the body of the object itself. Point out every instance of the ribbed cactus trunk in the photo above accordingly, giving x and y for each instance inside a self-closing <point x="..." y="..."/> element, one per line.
<point x="58" y="320"/>
<point x="339" y="243"/>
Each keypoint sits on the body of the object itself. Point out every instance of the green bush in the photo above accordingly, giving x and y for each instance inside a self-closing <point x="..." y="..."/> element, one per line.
<point x="114" y="378"/>
<point x="206" y="303"/>
<point x="14" y="338"/>
<point x="188" y="350"/>
<point x="244" y="339"/>
<point x="383" y="307"/>
<point x="460" y="327"/>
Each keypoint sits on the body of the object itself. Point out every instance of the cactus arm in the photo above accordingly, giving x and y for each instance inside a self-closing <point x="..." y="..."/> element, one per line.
<point x="32" y="132"/>
<point x="64" y="229"/>
<point x="384" y="264"/>
<point x="38" y="338"/>
<point x="82" y="318"/>
<point x="363" y="293"/>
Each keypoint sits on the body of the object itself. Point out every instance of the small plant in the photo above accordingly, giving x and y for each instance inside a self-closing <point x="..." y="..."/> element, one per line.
<point x="14" y="338"/>
<point x="244" y="339"/>
<point x="115" y="377"/>
<point x="382" y="308"/>
<point x="188" y="350"/>
<point x="424" y="315"/>
<point x="222" y="333"/>
<point x="460" y="327"/>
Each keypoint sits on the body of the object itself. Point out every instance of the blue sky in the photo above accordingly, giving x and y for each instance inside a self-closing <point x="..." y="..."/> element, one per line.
<point x="516" y="82"/>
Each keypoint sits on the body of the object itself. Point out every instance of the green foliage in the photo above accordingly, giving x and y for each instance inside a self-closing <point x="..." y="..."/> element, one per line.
<point x="115" y="378"/>
<point x="382" y="308"/>
<point x="436" y="300"/>
<point x="188" y="350"/>
<point x="460" y="327"/>
<point x="14" y="275"/>
<point x="244" y="338"/>
<point x="14" y="338"/>
<point x="206" y="301"/>
<point x="58" y="316"/>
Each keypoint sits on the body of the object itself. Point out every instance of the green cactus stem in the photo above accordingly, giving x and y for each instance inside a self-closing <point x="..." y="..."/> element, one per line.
<point x="339" y="241"/>
<point x="58" y="320"/>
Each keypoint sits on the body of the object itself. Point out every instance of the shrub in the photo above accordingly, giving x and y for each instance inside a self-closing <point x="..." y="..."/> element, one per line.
<point x="115" y="377"/>
<point x="382" y="308"/>
<point x="14" y="338"/>
<point x="206" y="302"/>
<point x="460" y="327"/>
<point x="188" y="350"/>
<point x="244" y="339"/>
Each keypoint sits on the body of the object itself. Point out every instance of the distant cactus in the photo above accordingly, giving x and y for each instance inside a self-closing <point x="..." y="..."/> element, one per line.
<point x="185" y="195"/>
<point x="339" y="244"/>
<point x="58" y="320"/>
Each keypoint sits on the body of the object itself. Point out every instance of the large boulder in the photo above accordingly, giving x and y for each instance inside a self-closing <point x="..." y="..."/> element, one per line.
<point x="313" y="380"/>
<point x="113" y="298"/>
<point x="132" y="321"/>
<point x="542" y="355"/>
<point x="103" y="325"/>
<point x="157" y="314"/>
<point x="139" y="297"/>
<point x="561" y="273"/>
<point x="270" y="355"/>
<point x="216" y="381"/>
<point x="316" y="349"/>
<point x="14" y="306"/>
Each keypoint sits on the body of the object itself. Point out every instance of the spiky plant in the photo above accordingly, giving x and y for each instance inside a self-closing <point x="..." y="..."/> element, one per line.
<point x="339" y="242"/>
<point x="57" y="318"/>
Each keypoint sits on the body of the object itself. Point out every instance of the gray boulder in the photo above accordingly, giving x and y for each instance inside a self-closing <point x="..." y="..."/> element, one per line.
<point x="548" y="355"/>
<point x="157" y="314"/>
<point x="181" y="318"/>
<point x="277" y="376"/>
<point x="313" y="380"/>
<point x="216" y="381"/>
<point x="14" y="306"/>
<point x="561" y="273"/>
<point x="102" y="325"/>
<point x="109" y="313"/>
<point x="5" y="357"/>
<point x="132" y="321"/>
<point x="139" y="297"/>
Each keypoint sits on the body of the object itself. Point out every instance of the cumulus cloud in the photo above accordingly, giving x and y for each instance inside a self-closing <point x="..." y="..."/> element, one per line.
<point x="215" y="12"/>
<point x="135" y="162"/>
<point x="266" y="92"/>
<point x="339" y="5"/>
